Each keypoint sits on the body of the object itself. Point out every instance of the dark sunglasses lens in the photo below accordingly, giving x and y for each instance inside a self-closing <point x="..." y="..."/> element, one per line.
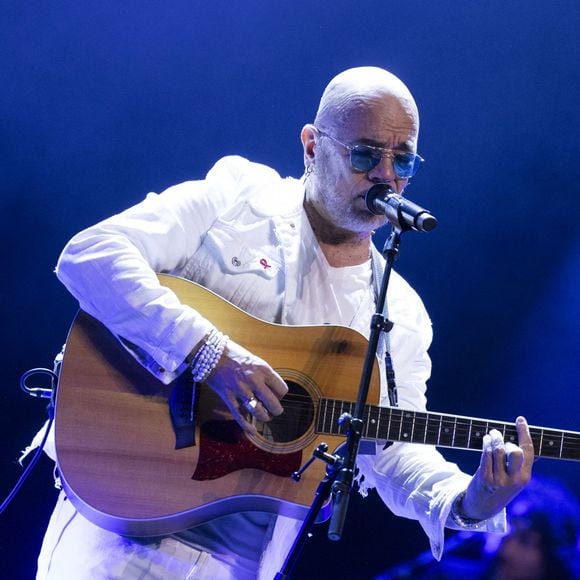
<point x="406" y="165"/>
<point x="363" y="159"/>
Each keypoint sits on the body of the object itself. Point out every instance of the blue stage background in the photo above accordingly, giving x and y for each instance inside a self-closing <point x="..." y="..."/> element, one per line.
<point x="103" y="101"/>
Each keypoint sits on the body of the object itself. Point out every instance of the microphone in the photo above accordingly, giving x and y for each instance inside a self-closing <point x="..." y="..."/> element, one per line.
<point x="402" y="213"/>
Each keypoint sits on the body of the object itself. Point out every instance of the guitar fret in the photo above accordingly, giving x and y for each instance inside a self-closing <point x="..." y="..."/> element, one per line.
<point x="454" y="431"/>
<point x="399" y="437"/>
<point x="396" y="421"/>
<point x="373" y="422"/>
<point x="385" y="421"/>
<point x="369" y="423"/>
<point x="447" y="432"/>
<point x="334" y="427"/>
<point x="478" y="430"/>
<point x="328" y="416"/>
<point x="366" y="422"/>
<point x="419" y="427"/>
<point x="406" y="426"/>
<point x="388" y="427"/>
<point x="433" y="430"/>
<point x="462" y="432"/>
<point x="322" y="416"/>
<point x="550" y="446"/>
<point x="510" y="434"/>
<point x="572" y="446"/>
<point x="332" y="419"/>
<point x="379" y="415"/>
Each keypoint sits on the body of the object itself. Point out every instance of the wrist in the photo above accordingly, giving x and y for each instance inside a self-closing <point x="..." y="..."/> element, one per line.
<point x="206" y="357"/>
<point x="458" y="515"/>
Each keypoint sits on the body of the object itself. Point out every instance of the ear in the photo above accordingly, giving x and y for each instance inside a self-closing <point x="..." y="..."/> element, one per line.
<point x="308" y="138"/>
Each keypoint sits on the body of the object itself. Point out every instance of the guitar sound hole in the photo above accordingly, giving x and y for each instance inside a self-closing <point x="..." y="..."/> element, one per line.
<point x="294" y="421"/>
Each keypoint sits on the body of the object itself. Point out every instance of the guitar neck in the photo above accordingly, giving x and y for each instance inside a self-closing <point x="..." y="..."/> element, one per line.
<point x="454" y="431"/>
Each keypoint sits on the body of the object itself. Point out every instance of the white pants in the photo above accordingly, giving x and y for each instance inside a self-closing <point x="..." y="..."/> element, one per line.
<point x="75" y="549"/>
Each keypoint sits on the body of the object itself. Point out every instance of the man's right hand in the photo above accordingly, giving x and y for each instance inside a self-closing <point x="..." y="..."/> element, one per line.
<point x="239" y="377"/>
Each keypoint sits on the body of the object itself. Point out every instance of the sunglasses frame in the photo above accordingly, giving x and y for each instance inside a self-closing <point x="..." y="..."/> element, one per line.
<point x="382" y="151"/>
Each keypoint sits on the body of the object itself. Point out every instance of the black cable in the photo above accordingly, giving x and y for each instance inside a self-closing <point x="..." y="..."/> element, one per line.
<point x="29" y="467"/>
<point x="38" y="391"/>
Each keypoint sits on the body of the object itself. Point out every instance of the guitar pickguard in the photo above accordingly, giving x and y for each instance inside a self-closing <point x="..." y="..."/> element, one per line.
<point x="225" y="449"/>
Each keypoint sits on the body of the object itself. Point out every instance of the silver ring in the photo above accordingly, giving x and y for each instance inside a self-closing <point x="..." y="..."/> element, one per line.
<point x="250" y="403"/>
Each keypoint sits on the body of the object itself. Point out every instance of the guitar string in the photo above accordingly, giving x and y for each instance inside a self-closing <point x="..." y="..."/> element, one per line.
<point x="296" y="400"/>
<point x="552" y="438"/>
<point x="306" y="403"/>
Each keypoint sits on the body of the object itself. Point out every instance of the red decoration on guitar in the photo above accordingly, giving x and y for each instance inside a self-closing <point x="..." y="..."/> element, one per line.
<point x="223" y="449"/>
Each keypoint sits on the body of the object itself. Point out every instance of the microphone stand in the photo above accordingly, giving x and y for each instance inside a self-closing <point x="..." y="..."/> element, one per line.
<point x="338" y="481"/>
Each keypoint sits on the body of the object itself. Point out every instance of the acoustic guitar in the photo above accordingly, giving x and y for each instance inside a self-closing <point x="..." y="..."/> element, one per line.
<point x="132" y="460"/>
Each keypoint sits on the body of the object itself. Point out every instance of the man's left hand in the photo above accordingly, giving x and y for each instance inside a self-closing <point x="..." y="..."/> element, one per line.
<point x="504" y="471"/>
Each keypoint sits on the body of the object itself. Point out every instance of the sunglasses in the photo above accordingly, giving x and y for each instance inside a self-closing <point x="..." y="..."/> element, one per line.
<point x="366" y="157"/>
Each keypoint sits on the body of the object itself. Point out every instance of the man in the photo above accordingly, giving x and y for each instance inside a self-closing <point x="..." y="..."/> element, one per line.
<point x="288" y="251"/>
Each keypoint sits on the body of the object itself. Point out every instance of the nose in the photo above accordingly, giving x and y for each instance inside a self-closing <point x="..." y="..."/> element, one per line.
<point x="385" y="173"/>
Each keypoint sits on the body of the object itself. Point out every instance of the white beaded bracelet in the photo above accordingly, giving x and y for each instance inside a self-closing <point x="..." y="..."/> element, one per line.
<point x="463" y="521"/>
<point x="208" y="355"/>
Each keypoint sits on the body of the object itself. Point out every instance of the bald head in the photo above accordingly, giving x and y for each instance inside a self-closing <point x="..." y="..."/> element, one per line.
<point x="352" y="92"/>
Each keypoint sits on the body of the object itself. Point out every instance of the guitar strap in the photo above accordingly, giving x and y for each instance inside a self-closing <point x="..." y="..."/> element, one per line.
<point x="378" y="267"/>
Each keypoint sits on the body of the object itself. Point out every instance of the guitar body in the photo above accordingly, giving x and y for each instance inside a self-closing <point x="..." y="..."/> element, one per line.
<point x="116" y="444"/>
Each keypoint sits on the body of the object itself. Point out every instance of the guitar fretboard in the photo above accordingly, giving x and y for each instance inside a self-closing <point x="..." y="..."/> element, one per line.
<point x="393" y="424"/>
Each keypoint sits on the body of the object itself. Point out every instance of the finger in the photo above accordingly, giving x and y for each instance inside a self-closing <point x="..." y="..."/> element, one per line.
<point x="499" y="463"/>
<point x="277" y="384"/>
<point x="525" y="440"/>
<point x="269" y="400"/>
<point x="514" y="459"/>
<point x="261" y="412"/>
<point x="234" y="407"/>
<point x="496" y="438"/>
<point x="486" y="463"/>
<point x="252" y="406"/>
<point x="498" y="452"/>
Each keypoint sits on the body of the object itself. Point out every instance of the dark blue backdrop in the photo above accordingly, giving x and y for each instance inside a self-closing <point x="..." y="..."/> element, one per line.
<point x="103" y="101"/>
